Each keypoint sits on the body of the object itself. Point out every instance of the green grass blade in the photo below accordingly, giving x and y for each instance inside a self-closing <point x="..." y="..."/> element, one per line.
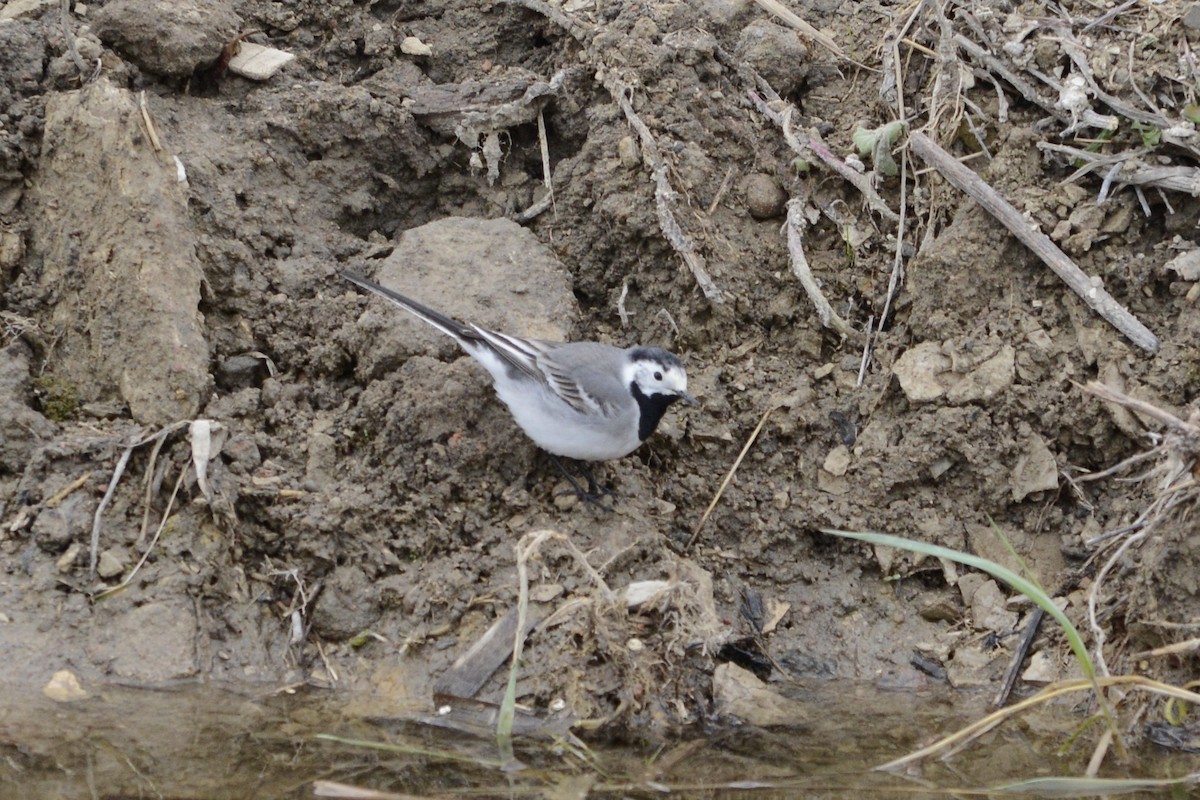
<point x="1000" y="573"/>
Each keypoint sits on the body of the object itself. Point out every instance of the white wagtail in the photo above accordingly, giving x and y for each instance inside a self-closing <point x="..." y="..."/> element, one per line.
<point x="582" y="400"/>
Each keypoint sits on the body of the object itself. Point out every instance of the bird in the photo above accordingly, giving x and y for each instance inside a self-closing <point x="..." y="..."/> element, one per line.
<point x="586" y="401"/>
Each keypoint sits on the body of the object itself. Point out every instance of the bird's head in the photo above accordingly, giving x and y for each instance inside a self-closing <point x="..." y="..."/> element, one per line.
<point x="658" y="374"/>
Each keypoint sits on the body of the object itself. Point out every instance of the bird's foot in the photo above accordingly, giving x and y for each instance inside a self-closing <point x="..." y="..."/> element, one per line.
<point x="594" y="495"/>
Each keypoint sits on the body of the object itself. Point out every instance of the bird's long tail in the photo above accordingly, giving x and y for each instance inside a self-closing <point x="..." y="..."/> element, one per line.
<point x="447" y="325"/>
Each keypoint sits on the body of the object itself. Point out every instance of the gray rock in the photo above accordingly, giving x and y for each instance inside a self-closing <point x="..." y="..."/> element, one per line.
<point x="168" y="38"/>
<point x="110" y="565"/>
<point x="71" y="520"/>
<point x="348" y="606"/>
<point x="129" y="313"/>
<point x="776" y="53"/>
<point x="240" y="372"/>
<point x="441" y="265"/>
<point x="21" y="427"/>
<point x="765" y="198"/>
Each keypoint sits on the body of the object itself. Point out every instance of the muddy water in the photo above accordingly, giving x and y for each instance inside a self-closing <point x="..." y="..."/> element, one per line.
<point x="209" y="742"/>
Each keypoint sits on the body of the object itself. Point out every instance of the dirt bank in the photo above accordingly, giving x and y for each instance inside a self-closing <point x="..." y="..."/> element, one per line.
<point x="172" y="235"/>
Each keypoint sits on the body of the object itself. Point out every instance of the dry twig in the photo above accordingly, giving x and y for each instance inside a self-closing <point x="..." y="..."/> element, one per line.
<point x="795" y="241"/>
<point x="1178" y="455"/>
<point x="737" y="462"/>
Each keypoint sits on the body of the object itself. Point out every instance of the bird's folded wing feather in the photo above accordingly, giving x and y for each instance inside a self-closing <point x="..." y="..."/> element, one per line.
<point x="587" y="375"/>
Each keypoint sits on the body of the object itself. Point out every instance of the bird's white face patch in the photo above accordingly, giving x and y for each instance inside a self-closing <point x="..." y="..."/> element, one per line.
<point x="656" y="377"/>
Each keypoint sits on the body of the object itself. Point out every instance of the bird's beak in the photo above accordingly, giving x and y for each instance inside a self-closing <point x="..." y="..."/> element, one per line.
<point x="687" y="398"/>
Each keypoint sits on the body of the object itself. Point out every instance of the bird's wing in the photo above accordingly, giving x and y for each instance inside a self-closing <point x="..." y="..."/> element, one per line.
<point x="586" y="375"/>
<point x="520" y="353"/>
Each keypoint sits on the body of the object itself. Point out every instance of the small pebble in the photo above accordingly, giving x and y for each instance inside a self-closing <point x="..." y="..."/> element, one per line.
<point x="109" y="565"/>
<point x="412" y="46"/>
<point x="764" y="197"/>
<point x="64" y="687"/>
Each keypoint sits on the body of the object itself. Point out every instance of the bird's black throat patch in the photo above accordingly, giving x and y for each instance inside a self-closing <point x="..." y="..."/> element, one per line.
<point x="652" y="408"/>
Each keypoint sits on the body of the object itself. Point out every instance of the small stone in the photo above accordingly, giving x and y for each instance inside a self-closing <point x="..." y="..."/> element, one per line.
<point x="739" y="693"/>
<point x="9" y="198"/>
<point x="635" y="645"/>
<point x="1186" y="265"/>
<point x="110" y="565"/>
<point x="173" y="39"/>
<point x="776" y="52"/>
<point x="24" y="8"/>
<point x="546" y="592"/>
<point x="64" y="688"/>
<point x="66" y="562"/>
<point x="765" y="198"/>
<point x="258" y="63"/>
<point x="412" y="46"/>
<point x="940" y="610"/>
<point x="241" y="449"/>
<point x="1035" y="470"/>
<point x="240" y="372"/>
<point x="1191" y="17"/>
<point x="838" y="461"/>
<point x="918" y="369"/>
<point x="1041" y="669"/>
<point x="645" y="28"/>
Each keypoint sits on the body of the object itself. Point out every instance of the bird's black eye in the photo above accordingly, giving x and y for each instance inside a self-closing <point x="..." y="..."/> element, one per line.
<point x="658" y="376"/>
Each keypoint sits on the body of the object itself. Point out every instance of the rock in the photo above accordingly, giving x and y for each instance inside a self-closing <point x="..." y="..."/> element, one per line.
<point x="412" y="46"/>
<point x="241" y="450"/>
<point x="628" y="153"/>
<point x="989" y="611"/>
<point x="348" y="606"/>
<point x="58" y="526"/>
<point x="168" y="37"/>
<point x="25" y="8"/>
<point x="438" y="264"/>
<point x="258" y="63"/>
<point x="838" y="461"/>
<point x="738" y="693"/>
<point x="124" y="272"/>
<point x="973" y="668"/>
<point x="1191" y="17"/>
<point x="765" y="198"/>
<point x="776" y="53"/>
<point x="1035" y="470"/>
<point x="21" y="428"/>
<point x="64" y="688"/>
<point x="919" y="369"/>
<point x="66" y="562"/>
<point x="240" y="372"/>
<point x="926" y="373"/>
<point x="110" y="565"/>
<point x="12" y="250"/>
<point x="1186" y="265"/>
<point x="1042" y="669"/>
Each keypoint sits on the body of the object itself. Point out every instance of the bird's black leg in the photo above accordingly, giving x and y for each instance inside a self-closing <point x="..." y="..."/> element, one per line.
<point x="594" y="488"/>
<point x="594" y="495"/>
